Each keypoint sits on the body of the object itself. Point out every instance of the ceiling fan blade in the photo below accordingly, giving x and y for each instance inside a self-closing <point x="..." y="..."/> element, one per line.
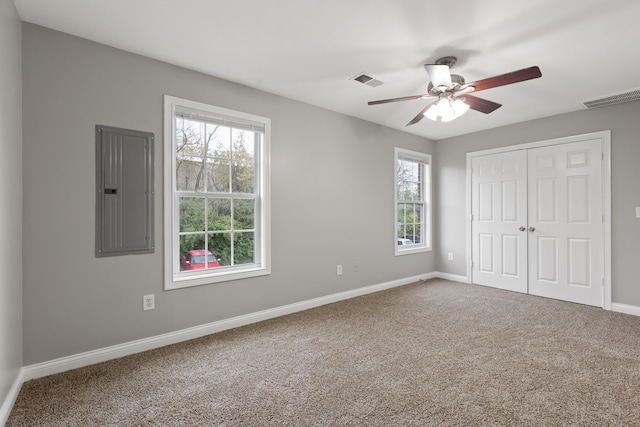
<point x="404" y="98"/>
<point x="420" y="115"/>
<point x="480" y="104"/>
<point x="507" y="79"/>
<point x="439" y="74"/>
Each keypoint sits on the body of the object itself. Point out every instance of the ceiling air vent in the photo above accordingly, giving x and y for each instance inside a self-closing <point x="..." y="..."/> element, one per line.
<point x="367" y="80"/>
<point x="619" y="98"/>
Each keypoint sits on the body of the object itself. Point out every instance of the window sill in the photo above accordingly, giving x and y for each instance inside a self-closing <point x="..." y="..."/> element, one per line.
<point x="408" y="250"/>
<point x="209" y="278"/>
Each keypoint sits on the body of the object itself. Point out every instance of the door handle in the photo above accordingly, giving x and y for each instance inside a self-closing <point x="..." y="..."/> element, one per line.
<point x="521" y="228"/>
<point x="532" y="229"/>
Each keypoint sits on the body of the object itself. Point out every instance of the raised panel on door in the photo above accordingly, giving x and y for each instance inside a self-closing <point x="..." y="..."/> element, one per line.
<point x="565" y="210"/>
<point x="499" y="211"/>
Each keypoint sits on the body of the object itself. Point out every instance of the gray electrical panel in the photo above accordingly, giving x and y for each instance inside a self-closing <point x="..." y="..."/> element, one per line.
<point x="124" y="192"/>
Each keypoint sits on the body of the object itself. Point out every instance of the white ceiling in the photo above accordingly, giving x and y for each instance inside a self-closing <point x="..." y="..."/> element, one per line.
<point x="309" y="50"/>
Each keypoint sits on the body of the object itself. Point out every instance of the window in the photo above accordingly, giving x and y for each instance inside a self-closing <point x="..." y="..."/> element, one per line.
<point x="412" y="202"/>
<point x="216" y="194"/>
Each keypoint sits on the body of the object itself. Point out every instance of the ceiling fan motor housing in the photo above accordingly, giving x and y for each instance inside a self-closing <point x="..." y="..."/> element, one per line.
<point x="456" y="82"/>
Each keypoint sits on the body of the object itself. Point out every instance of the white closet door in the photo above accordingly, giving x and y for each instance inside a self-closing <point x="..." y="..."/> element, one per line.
<point x="499" y="208"/>
<point x="565" y="229"/>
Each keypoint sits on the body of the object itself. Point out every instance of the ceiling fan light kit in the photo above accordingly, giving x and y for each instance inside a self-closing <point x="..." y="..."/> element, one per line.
<point x="453" y="93"/>
<point x="446" y="109"/>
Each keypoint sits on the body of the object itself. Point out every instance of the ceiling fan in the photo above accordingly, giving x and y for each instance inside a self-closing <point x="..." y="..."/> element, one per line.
<point x="453" y="94"/>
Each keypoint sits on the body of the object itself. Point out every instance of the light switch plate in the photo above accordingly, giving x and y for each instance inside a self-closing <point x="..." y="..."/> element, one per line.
<point x="637" y="211"/>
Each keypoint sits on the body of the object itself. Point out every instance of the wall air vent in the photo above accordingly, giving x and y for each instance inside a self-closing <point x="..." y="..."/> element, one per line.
<point x="367" y="80"/>
<point x="618" y="98"/>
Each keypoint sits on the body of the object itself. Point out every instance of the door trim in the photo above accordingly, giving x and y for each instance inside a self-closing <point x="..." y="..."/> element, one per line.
<point x="605" y="138"/>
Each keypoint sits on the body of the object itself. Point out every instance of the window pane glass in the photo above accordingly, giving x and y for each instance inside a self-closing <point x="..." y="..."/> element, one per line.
<point x="401" y="191"/>
<point x="220" y="142"/>
<point x="189" y="137"/>
<point x="243" y="175"/>
<point x="403" y="232"/>
<point x="417" y="181"/>
<point x="219" y="214"/>
<point x="417" y="236"/>
<point x="189" y="173"/>
<point x="401" y="179"/>
<point x="189" y="242"/>
<point x="189" y="148"/>
<point x="219" y="159"/>
<point x="413" y="191"/>
<point x="409" y="180"/>
<point x="220" y="245"/>
<point x="415" y="171"/>
<point x="243" y="170"/>
<point x="243" y="214"/>
<point x="401" y="212"/>
<point x="191" y="214"/>
<point x="244" y="142"/>
<point x="218" y="175"/>
<point x="243" y="248"/>
<point x="418" y="209"/>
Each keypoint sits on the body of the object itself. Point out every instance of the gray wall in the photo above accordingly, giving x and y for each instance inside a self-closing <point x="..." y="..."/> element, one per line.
<point x="332" y="200"/>
<point x="11" y="195"/>
<point x="622" y="120"/>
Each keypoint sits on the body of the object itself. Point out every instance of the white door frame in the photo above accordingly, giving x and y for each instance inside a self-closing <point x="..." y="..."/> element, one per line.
<point x="605" y="137"/>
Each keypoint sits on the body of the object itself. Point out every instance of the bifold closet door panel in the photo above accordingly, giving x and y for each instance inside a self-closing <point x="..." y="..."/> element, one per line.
<point x="499" y="219"/>
<point x="565" y="239"/>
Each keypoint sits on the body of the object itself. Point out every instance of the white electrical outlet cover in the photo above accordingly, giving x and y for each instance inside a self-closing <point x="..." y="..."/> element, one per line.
<point x="148" y="302"/>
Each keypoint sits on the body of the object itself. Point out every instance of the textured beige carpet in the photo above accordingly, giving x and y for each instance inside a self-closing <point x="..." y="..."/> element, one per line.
<point x="433" y="353"/>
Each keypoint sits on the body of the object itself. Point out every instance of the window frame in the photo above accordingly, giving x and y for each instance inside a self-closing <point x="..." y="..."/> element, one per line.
<point x="424" y="160"/>
<point x="173" y="277"/>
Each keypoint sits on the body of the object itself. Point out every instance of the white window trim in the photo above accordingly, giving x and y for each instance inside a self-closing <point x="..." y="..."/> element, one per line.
<point x="425" y="245"/>
<point x="173" y="278"/>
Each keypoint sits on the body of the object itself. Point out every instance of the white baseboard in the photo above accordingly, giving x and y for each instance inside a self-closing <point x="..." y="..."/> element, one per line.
<point x="9" y="401"/>
<point x="625" y="308"/>
<point x="120" y="350"/>
<point x="453" y="277"/>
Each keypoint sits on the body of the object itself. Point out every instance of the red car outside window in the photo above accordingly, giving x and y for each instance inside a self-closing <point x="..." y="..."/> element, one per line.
<point x="197" y="259"/>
